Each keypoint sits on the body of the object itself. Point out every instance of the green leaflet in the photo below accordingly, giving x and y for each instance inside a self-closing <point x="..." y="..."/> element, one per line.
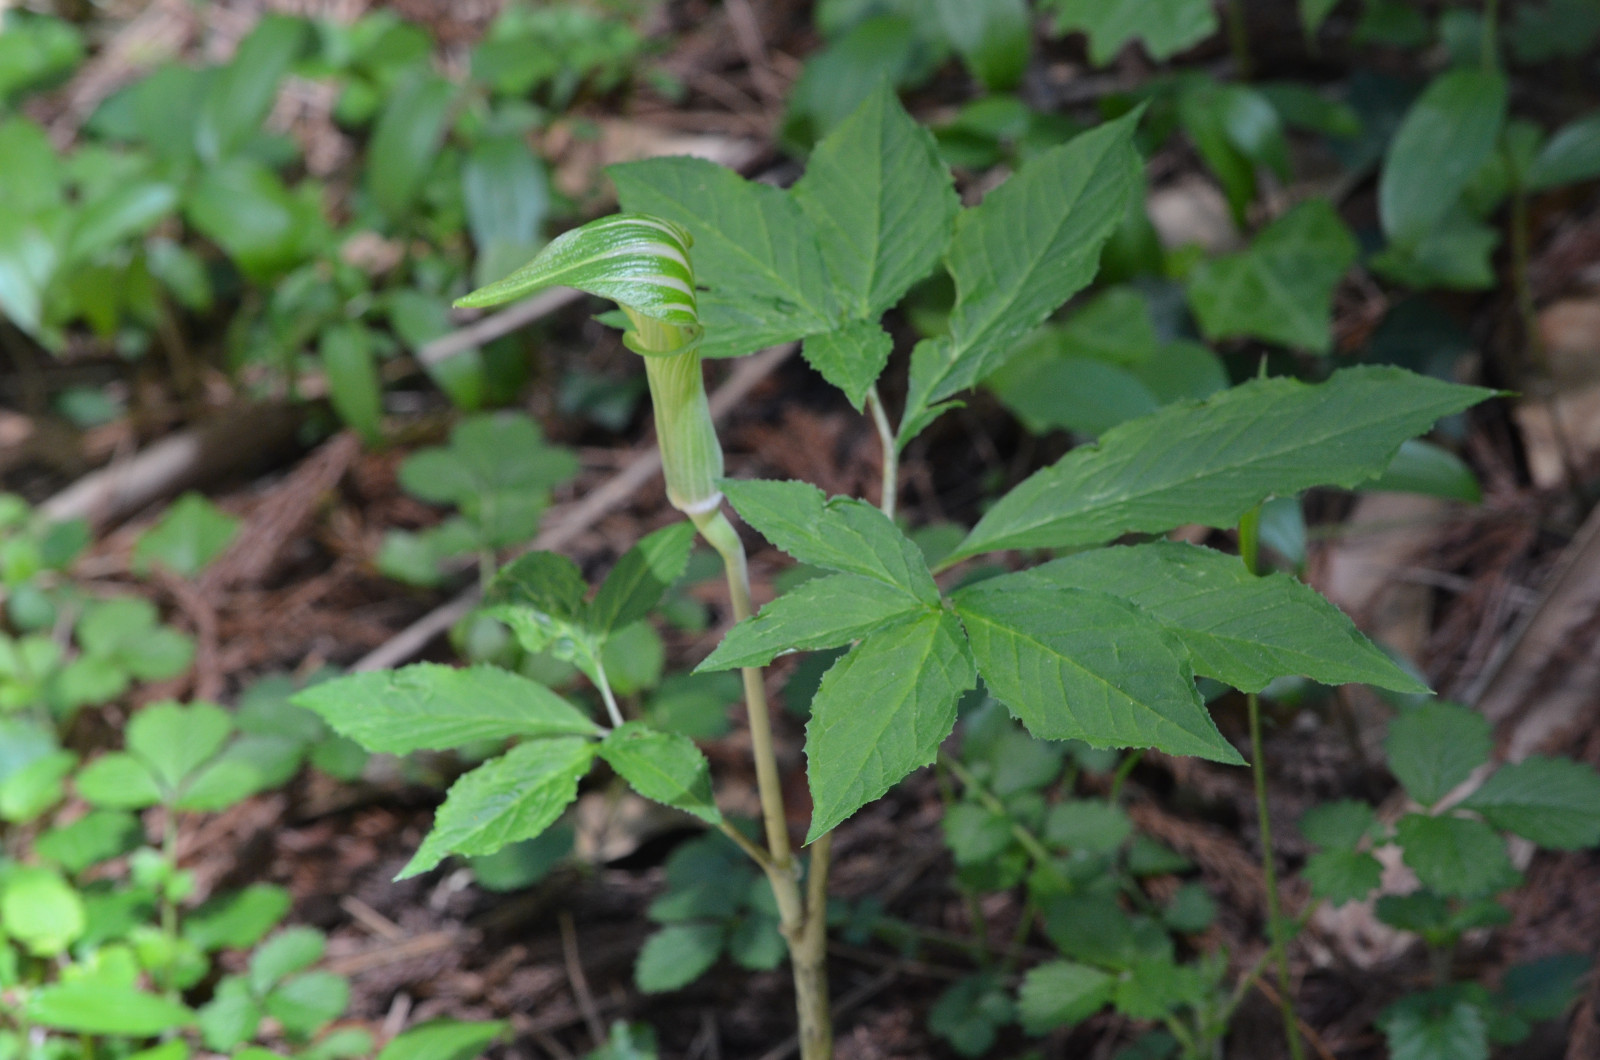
<point x="429" y="706"/>
<point x="1342" y="875"/>
<point x="191" y="534"/>
<point x="1553" y="801"/>
<point x="239" y="96"/>
<point x="1571" y="155"/>
<point x="1433" y="747"/>
<point x="540" y="595"/>
<point x="1072" y="664"/>
<point x="1033" y="243"/>
<point x="820" y="613"/>
<point x="851" y="357"/>
<point x="405" y="141"/>
<point x="881" y="202"/>
<point x="1429" y="1027"/>
<point x="635" y="260"/>
<point x="640" y="578"/>
<point x="1422" y="467"/>
<point x="1313" y="13"/>
<point x="1449" y="132"/>
<point x="1165" y="26"/>
<point x="174" y="741"/>
<point x="882" y="711"/>
<point x="94" y="1006"/>
<point x="1061" y="993"/>
<point x="1210" y="462"/>
<point x="354" y="386"/>
<point x="1240" y="629"/>
<point x="662" y="766"/>
<point x="512" y="797"/>
<point x="1104" y="365"/>
<point x="677" y="955"/>
<point x="1280" y="288"/>
<point x="1455" y="856"/>
<point x="1455" y="253"/>
<point x="444" y="1039"/>
<point x="1340" y="825"/>
<point x="839" y="533"/>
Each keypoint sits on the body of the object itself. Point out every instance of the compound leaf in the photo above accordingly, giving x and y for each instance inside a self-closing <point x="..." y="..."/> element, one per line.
<point x="1240" y="629"/>
<point x="839" y="533"/>
<point x="1072" y="664"/>
<point x="882" y="711"/>
<point x="431" y="706"/>
<point x="1209" y="462"/>
<point x="820" y="613"/>
<point x="515" y="796"/>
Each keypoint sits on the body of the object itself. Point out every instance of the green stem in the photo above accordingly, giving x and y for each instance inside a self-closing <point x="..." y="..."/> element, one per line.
<point x="802" y="918"/>
<point x="1249" y="550"/>
<point x="1269" y="875"/>
<point x="606" y="694"/>
<point x="1124" y="768"/>
<point x="891" y="453"/>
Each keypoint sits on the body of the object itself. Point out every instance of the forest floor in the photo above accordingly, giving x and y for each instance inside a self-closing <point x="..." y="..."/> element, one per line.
<point x="1497" y="602"/>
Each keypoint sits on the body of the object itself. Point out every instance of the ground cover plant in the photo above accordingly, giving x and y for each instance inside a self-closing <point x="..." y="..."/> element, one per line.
<point x="1045" y="591"/>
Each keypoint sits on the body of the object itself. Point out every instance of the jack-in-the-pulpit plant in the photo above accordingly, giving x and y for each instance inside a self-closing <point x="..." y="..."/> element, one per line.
<point x="1102" y="645"/>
